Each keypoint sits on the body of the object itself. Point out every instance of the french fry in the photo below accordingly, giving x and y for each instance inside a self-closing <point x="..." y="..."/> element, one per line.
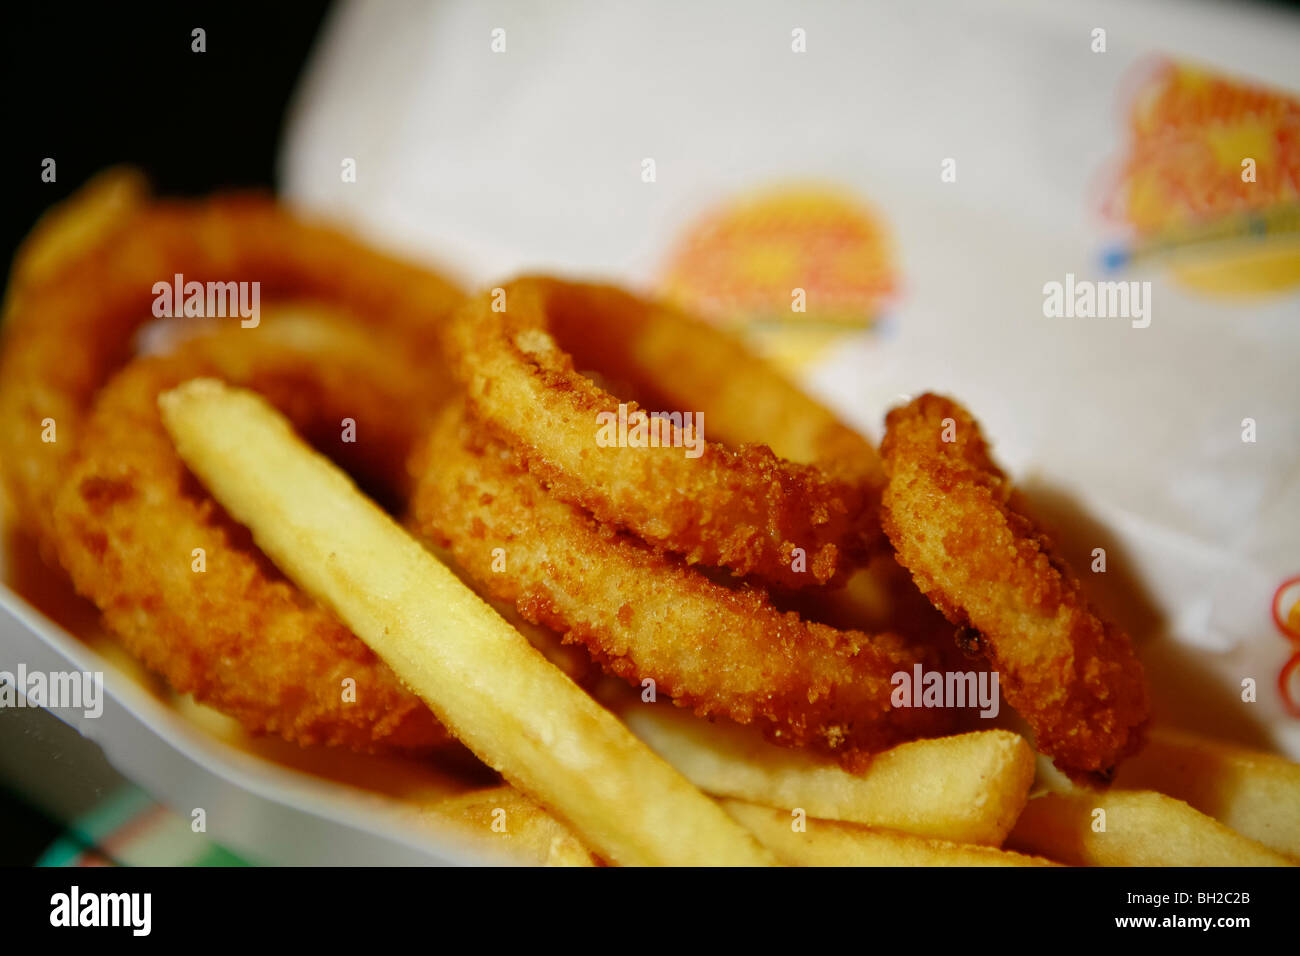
<point x="1256" y="794"/>
<point x="831" y="843"/>
<point x="1142" y="828"/>
<point x="502" y="817"/>
<point x="499" y="695"/>
<point x="968" y="788"/>
<point x="72" y="227"/>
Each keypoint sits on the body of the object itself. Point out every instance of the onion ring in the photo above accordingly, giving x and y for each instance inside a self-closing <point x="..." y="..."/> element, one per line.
<point x="746" y="510"/>
<point x="644" y="614"/>
<point x="958" y="526"/>
<point x="239" y="636"/>
<point x="67" y="329"/>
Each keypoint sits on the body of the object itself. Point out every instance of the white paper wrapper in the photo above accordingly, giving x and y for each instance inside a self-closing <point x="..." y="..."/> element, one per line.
<point x="1130" y="439"/>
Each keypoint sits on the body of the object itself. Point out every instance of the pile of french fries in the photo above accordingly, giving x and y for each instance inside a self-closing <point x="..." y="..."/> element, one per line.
<point x="652" y="785"/>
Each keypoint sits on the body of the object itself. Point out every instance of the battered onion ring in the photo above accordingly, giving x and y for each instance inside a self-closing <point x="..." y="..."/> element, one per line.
<point x="67" y="329"/>
<point x="746" y="510"/>
<point x="644" y="614"/>
<point x="239" y="636"/>
<point x="957" y="525"/>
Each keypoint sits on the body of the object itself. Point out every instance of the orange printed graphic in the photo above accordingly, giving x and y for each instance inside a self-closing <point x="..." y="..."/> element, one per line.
<point x="1211" y="180"/>
<point x="796" y="269"/>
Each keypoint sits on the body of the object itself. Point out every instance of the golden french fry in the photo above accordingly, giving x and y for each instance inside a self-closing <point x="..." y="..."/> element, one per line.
<point x="501" y="697"/>
<point x="1256" y="794"/>
<point x="832" y="843"/>
<point x="968" y="788"/>
<point x="502" y="817"/>
<point x="572" y="659"/>
<point x="70" y="228"/>
<point x="1142" y="828"/>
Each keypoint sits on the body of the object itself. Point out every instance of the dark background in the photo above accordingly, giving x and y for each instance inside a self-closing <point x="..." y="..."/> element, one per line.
<point x="91" y="87"/>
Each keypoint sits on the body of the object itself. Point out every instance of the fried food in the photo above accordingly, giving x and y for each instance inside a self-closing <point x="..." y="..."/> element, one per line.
<point x="1132" y="828"/>
<point x="520" y="350"/>
<point x="501" y="817"/>
<point x="499" y="695"/>
<point x="960" y="529"/>
<point x="831" y="843"/>
<point x="1256" y="794"/>
<point x="967" y="788"/>
<point x="131" y="522"/>
<point x="646" y="615"/>
<point x="651" y="560"/>
<point x="69" y="230"/>
<point x="70" y="320"/>
<point x="572" y="659"/>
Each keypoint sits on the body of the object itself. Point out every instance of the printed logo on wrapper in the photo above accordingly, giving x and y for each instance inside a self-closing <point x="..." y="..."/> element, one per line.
<point x="1209" y="184"/>
<point x="1286" y="617"/>
<point x="796" y="269"/>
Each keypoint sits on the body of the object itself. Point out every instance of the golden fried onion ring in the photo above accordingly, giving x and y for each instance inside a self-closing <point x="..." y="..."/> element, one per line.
<point x="644" y="614"/>
<point x="69" y="324"/>
<point x="958" y="526"/>
<point x="747" y="509"/>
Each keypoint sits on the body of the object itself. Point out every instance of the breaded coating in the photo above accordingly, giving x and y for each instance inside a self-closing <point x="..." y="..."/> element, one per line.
<point x="740" y="501"/>
<point x="232" y="630"/>
<point x="955" y="521"/>
<point x="647" y="615"/>
<point x="77" y="301"/>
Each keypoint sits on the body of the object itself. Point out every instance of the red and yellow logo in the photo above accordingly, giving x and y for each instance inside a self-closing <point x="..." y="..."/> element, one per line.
<point x="1211" y="180"/>
<point x="794" y="269"/>
<point x="1286" y="616"/>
